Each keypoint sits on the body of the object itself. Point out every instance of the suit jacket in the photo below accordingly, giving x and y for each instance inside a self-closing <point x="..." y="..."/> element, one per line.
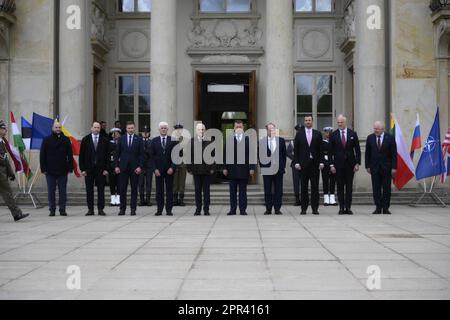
<point x="129" y="157"/>
<point x="282" y="155"/>
<point x="350" y="155"/>
<point x="161" y="159"/>
<point x="200" y="169"/>
<point x="91" y="160"/>
<point x="308" y="155"/>
<point x="56" y="155"/>
<point x="384" y="159"/>
<point x="236" y="170"/>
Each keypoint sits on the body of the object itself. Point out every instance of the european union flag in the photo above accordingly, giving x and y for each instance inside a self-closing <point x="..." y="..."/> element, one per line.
<point x="41" y="128"/>
<point x="431" y="163"/>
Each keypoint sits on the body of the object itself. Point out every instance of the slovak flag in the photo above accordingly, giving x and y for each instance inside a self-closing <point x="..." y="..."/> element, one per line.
<point x="416" y="140"/>
<point x="446" y="152"/>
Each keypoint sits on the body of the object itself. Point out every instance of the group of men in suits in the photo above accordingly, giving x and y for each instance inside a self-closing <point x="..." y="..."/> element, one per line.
<point x="128" y="156"/>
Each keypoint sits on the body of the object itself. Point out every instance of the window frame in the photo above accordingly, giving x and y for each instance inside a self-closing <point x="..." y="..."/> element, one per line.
<point x="224" y="14"/>
<point x="314" y="11"/>
<point x="136" y="95"/>
<point x="135" y="12"/>
<point x="315" y="100"/>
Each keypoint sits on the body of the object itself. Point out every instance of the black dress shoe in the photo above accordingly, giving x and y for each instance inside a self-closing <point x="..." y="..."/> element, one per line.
<point x="101" y="213"/>
<point x="316" y="213"/>
<point x="342" y="212"/>
<point x="133" y="212"/>
<point x="170" y="213"/>
<point x="197" y="213"/>
<point x="52" y="214"/>
<point x="386" y="211"/>
<point x="231" y="213"/>
<point x="349" y="212"/>
<point x="21" y="216"/>
<point x="267" y="213"/>
<point x="377" y="211"/>
<point x="63" y="213"/>
<point x="158" y="214"/>
<point x="122" y="213"/>
<point x="90" y="213"/>
<point x="278" y="213"/>
<point x="244" y="213"/>
<point x="303" y="213"/>
<point x="206" y="213"/>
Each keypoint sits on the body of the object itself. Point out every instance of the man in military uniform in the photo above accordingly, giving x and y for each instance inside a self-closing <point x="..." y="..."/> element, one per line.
<point x="180" y="174"/>
<point x="6" y="173"/>
<point x="113" y="177"/>
<point x="146" y="177"/>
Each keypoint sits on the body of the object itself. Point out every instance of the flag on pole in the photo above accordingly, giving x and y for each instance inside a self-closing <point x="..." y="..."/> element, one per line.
<point x="75" y="149"/>
<point x="26" y="132"/>
<point x="41" y="128"/>
<point x="431" y="163"/>
<point x="18" y="144"/>
<point x="416" y="143"/>
<point x="405" y="166"/>
<point x="446" y="153"/>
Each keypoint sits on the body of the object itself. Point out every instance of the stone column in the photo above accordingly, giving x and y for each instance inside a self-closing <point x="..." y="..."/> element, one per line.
<point x="75" y="67"/>
<point x="279" y="65"/>
<point x="370" y="67"/>
<point x="163" y="63"/>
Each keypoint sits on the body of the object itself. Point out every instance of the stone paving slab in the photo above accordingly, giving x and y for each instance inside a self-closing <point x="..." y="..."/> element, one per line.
<point x="222" y="257"/>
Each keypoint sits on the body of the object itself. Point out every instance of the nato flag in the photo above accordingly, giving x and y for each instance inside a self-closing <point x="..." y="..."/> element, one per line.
<point x="431" y="163"/>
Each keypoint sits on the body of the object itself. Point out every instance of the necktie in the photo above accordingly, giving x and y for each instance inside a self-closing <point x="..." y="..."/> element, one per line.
<point x="164" y="143"/>
<point x="379" y="142"/>
<point x="130" y="141"/>
<point x="344" y="140"/>
<point x="309" y="137"/>
<point x="95" y="142"/>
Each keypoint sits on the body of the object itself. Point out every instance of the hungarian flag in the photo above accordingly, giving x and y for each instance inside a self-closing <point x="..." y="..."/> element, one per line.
<point x="416" y="143"/>
<point x="75" y="149"/>
<point x="26" y="132"/>
<point x="446" y="152"/>
<point x="18" y="143"/>
<point x="405" y="166"/>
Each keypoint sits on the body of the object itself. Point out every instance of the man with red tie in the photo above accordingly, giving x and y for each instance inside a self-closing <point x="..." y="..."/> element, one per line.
<point x="345" y="162"/>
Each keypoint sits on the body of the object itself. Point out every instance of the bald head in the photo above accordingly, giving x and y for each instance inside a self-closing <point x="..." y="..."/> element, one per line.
<point x="378" y="128"/>
<point x="57" y="127"/>
<point x="342" y="122"/>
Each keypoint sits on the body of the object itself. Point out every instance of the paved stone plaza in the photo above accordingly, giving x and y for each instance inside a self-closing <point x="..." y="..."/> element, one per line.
<point x="221" y="257"/>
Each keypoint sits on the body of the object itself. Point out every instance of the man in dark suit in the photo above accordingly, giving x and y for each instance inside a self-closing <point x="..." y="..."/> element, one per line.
<point x="272" y="160"/>
<point x="381" y="164"/>
<point x="201" y="170"/>
<point x="129" y="159"/>
<point x="345" y="162"/>
<point x="163" y="168"/>
<point x="308" y="160"/>
<point x="94" y="167"/>
<point x="56" y="160"/>
<point x="238" y="169"/>
<point x="295" y="173"/>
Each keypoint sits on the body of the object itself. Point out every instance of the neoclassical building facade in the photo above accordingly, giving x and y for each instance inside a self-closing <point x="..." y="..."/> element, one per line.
<point x="215" y="61"/>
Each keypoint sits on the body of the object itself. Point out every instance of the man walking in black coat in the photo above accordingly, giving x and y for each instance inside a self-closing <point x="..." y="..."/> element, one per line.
<point x="239" y="168"/>
<point x="381" y="164"/>
<point x="129" y="159"/>
<point x="94" y="167"/>
<point x="345" y="162"/>
<point x="272" y="151"/>
<point x="201" y="169"/>
<point x="309" y="161"/>
<point x="163" y="168"/>
<point x="56" y="160"/>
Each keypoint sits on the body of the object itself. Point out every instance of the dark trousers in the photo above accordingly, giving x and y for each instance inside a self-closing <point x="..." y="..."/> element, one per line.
<point x="296" y="181"/>
<point x="61" y="182"/>
<point x="114" y="183"/>
<point x="95" y="178"/>
<point x="381" y="185"/>
<point x="328" y="181"/>
<point x="344" y="177"/>
<point x="125" y="177"/>
<point x="310" y="175"/>
<point x="164" y="188"/>
<point x="273" y="191"/>
<point x="145" y="185"/>
<point x="242" y="183"/>
<point x="202" y="187"/>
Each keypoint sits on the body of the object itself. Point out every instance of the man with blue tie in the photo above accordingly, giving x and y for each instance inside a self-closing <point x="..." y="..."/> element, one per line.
<point x="273" y="149"/>
<point x="163" y="168"/>
<point x="238" y="169"/>
<point x="381" y="164"/>
<point x="129" y="160"/>
<point x="345" y="162"/>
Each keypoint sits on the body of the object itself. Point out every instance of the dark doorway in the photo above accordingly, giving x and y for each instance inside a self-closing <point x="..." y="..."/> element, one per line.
<point x="222" y="98"/>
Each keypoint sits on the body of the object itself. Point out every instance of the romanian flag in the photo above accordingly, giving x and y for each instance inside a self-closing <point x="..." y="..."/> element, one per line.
<point x="75" y="149"/>
<point x="416" y="143"/>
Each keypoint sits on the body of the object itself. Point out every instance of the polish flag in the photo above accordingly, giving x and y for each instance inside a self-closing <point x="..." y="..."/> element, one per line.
<point x="416" y="141"/>
<point x="405" y="166"/>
